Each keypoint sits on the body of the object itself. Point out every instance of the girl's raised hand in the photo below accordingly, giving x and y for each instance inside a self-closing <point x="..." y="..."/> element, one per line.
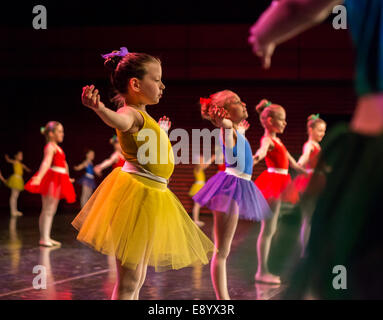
<point x="219" y="117"/>
<point x="91" y="98"/>
<point x="165" y="123"/>
<point x="262" y="50"/>
<point x="243" y="126"/>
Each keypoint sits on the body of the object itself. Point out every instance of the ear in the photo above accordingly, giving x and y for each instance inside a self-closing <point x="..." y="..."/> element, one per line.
<point x="269" y="121"/>
<point x="134" y="84"/>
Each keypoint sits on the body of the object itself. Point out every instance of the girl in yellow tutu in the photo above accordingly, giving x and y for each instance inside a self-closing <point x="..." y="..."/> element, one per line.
<point x="132" y="215"/>
<point x="200" y="179"/>
<point x="16" y="182"/>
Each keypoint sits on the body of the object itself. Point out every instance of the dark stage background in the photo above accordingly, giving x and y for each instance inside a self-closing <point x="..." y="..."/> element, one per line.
<point x="203" y="48"/>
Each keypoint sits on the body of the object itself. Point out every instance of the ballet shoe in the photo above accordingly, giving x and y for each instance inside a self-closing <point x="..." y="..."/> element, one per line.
<point x="199" y="223"/>
<point x="268" y="279"/>
<point x="55" y="243"/>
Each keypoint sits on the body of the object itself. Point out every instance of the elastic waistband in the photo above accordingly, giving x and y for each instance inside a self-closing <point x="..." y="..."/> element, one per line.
<point x="239" y="174"/>
<point x="278" y="170"/>
<point x="88" y="175"/>
<point x="58" y="169"/>
<point x="138" y="170"/>
<point x="310" y="170"/>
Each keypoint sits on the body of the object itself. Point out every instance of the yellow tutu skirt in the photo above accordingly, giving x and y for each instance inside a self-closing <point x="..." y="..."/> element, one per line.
<point x="16" y="181"/>
<point x="195" y="188"/>
<point x="139" y="220"/>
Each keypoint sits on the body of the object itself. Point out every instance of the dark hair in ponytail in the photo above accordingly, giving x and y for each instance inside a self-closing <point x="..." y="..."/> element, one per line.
<point x="123" y="66"/>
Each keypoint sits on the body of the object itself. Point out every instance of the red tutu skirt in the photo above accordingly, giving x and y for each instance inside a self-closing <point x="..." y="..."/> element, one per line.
<point x="54" y="184"/>
<point x="277" y="186"/>
<point x="301" y="182"/>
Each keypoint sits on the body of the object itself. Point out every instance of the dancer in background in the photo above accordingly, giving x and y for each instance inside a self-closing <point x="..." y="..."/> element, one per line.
<point x="272" y="182"/>
<point x="16" y="182"/>
<point x="115" y="160"/>
<point x="200" y="179"/>
<point x="229" y="194"/>
<point x="316" y="129"/>
<point x="51" y="181"/>
<point x="346" y="187"/>
<point x="133" y="215"/>
<point x="87" y="180"/>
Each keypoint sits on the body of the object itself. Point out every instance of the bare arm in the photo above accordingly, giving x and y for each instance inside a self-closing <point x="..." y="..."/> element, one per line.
<point x="262" y="151"/>
<point x="295" y="165"/>
<point x="81" y="166"/>
<point x="305" y="155"/>
<point x="8" y="159"/>
<point x="45" y="164"/>
<point x="106" y="163"/>
<point x="123" y="120"/>
<point x="26" y="168"/>
<point x="285" y="19"/>
<point x="2" y="178"/>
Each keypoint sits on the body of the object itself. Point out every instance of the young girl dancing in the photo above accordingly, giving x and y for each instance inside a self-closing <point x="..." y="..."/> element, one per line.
<point x="87" y="180"/>
<point x="273" y="181"/>
<point x="15" y="181"/>
<point x="229" y="194"/>
<point x="316" y="129"/>
<point x="200" y="179"/>
<point x="133" y="215"/>
<point x="51" y="181"/>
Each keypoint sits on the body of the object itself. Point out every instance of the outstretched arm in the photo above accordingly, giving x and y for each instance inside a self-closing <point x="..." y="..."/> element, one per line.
<point x="2" y="178"/>
<point x="26" y="168"/>
<point x="106" y="163"/>
<point x="123" y="120"/>
<point x="45" y="164"/>
<point x="262" y="151"/>
<point x="8" y="159"/>
<point x="305" y="155"/>
<point x="295" y="165"/>
<point x="285" y="19"/>
<point x="81" y="166"/>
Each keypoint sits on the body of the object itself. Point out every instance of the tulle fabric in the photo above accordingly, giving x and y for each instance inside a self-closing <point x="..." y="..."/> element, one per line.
<point x="277" y="186"/>
<point x="233" y="195"/>
<point x="86" y="181"/>
<point x="137" y="219"/>
<point x="54" y="184"/>
<point x="16" y="181"/>
<point x="195" y="188"/>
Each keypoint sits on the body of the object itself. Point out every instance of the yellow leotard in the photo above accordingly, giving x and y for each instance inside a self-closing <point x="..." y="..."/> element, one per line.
<point x="16" y="181"/>
<point x="200" y="180"/>
<point x="138" y="219"/>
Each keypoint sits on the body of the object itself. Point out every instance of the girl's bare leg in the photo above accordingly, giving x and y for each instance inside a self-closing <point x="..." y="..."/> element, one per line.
<point x="49" y="208"/>
<point x="196" y="210"/>
<point x="268" y="229"/>
<point x="13" y="202"/>
<point x="85" y="195"/>
<point x="128" y="281"/>
<point x="224" y="229"/>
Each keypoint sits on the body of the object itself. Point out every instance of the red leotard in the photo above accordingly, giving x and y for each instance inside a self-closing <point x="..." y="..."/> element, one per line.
<point x="301" y="182"/>
<point x="55" y="184"/>
<point x="272" y="184"/>
<point x="119" y="163"/>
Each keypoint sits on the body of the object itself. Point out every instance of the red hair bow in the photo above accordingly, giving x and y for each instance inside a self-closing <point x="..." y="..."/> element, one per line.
<point x="204" y="101"/>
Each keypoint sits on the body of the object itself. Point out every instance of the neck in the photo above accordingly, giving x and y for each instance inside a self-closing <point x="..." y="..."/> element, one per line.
<point x="134" y="103"/>
<point x="270" y="133"/>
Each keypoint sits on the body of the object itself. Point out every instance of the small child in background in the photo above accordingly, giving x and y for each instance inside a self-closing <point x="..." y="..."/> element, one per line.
<point x="87" y="180"/>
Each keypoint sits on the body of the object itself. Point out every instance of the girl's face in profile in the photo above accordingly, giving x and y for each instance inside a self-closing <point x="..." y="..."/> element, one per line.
<point x="236" y="109"/>
<point x="278" y="123"/>
<point x="318" y="132"/>
<point x="151" y="86"/>
<point x="58" y="134"/>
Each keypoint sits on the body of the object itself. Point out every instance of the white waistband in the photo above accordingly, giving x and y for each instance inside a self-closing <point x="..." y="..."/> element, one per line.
<point x="239" y="174"/>
<point x="278" y="170"/>
<point x="138" y="170"/>
<point x="88" y="175"/>
<point x="58" y="169"/>
<point x="310" y="170"/>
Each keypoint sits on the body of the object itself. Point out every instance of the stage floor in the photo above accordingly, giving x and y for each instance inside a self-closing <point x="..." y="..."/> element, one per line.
<point x="76" y="272"/>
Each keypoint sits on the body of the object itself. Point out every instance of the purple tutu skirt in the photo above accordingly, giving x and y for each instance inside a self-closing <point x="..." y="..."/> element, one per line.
<point x="230" y="194"/>
<point x="89" y="182"/>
